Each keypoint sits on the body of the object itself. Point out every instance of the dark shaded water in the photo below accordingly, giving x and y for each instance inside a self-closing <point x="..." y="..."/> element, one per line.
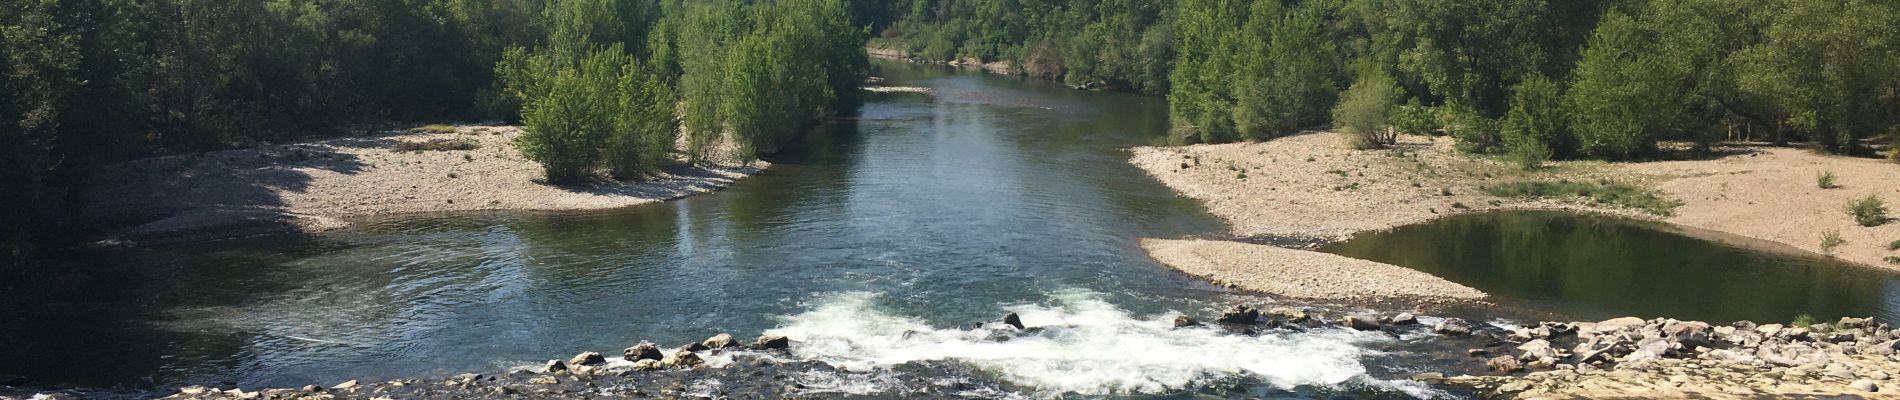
<point x="1592" y="266"/>
<point x="870" y="242"/>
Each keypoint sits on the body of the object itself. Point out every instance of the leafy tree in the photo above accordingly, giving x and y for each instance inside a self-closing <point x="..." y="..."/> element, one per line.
<point x="1537" y="127"/>
<point x="1365" y="111"/>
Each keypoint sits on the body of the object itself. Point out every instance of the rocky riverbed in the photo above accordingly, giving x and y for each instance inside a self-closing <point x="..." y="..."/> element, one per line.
<point x="1623" y="357"/>
<point x="1665" y="358"/>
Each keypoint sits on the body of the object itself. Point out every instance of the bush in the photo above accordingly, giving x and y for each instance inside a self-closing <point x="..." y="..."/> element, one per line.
<point x="645" y="128"/>
<point x="1830" y="240"/>
<point x="566" y="127"/>
<point x="1826" y="180"/>
<point x="1473" y="132"/>
<point x="1529" y="155"/>
<point x="1868" y="211"/>
<point x="1619" y="194"/>
<point x="1365" y="111"/>
<point x="1413" y="118"/>
<point x="1802" y="321"/>
<point x="1536" y="128"/>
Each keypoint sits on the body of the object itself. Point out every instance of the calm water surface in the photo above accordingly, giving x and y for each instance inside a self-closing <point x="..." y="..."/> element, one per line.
<point x="1594" y="267"/>
<point x="871" y="242"/>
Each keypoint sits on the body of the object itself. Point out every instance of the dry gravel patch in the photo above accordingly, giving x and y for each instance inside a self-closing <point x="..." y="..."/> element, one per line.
<point x="1299" y="273"/>
<point x="315" y="186"/>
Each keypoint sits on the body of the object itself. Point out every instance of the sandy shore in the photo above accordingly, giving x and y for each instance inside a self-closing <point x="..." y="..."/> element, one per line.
<point x="307" y="187"/>
<point x="1303" y="274"/>
<point x="1315" y="186"/>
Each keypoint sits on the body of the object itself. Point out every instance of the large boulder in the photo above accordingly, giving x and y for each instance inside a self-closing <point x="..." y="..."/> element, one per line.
<point x="1360" y="323"/>
<point x="720" y="341"/>
<point x="1452" y="326"/>
<point x="772" y="342"/>
<point x="1014" y="320"/>
<point x="587" y="358"/>
<point x="1504" y="364"/>
<point x="552" y="366"/>
<point x="1538" y="349"/>
<point x="643" y="351"/>
<point x="682" y="359"/>
<point x="1403" y="318"/>
<point x="1239" y="314"/>
<point x="1293" y="315"/>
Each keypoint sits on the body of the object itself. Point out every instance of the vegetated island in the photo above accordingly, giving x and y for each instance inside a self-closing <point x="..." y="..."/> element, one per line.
<point x="315" y="186"/>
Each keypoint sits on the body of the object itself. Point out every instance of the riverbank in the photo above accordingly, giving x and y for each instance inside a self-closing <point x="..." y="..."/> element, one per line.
<point x="316" y="186"/>
<point x="1314" y="186"/>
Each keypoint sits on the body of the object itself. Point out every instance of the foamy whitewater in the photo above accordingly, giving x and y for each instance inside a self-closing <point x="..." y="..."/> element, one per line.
<point x="1088" y="347"/>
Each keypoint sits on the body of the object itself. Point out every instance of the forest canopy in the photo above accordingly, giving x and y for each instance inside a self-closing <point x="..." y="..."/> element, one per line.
<point x="1607" y="78"/>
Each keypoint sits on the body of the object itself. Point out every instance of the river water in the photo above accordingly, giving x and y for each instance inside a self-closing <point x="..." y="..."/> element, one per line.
<point x="875" y="242"/>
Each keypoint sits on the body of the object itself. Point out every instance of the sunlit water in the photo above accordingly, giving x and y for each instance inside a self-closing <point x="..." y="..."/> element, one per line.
<point x="876" y="242"/>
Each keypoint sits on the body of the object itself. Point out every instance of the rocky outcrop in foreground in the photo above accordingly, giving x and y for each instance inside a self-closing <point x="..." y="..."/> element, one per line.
<point x="1666" y="358"/>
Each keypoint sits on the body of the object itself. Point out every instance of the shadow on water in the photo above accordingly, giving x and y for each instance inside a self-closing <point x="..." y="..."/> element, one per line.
<point x="1596" y="267"/>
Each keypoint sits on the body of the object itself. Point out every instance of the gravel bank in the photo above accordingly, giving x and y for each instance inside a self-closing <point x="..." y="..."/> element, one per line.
<point x="1664" y="358"/>
<point x="1314" y="186"/>
<point x="307" y="187"/>
<point x="1299" y="273"/>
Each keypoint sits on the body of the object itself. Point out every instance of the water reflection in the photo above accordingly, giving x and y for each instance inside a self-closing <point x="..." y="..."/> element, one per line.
<point x="1601" y="267"/>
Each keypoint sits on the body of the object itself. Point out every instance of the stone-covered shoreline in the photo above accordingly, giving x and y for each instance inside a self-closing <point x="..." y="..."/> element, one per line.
<point x="1666" y="358"/>
<point x="1617" y="358"/>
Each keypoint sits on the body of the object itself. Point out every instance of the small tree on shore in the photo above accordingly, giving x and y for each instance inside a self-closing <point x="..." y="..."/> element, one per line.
<point x="1366" y="110"/>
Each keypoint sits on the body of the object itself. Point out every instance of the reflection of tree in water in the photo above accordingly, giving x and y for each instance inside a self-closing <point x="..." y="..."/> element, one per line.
<point x="1596" y="266"/>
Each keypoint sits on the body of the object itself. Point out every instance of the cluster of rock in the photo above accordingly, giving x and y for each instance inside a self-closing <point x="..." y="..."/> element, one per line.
<point x="587" y="372"/>
<point x="1247" y="317"/>
<point x="1671" y="358"/>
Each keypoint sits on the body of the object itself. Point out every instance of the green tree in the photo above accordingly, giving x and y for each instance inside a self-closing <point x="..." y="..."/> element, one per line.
<point x="1365" y="111"/>
<point x="1537" y="127"/>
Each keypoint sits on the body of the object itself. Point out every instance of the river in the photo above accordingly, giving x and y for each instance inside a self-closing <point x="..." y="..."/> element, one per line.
<point x="876" y="241"/>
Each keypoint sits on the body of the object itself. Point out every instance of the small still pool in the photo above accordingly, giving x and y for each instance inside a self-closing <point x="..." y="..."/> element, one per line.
<point x="1595" y="266"/>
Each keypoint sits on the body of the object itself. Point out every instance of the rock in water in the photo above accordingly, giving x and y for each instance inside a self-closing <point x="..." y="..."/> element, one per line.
<point x="1359" y="323"/>
<point x="587" y="358"/>
<point x="1504" y="364"/>
<point x="682" y="359"/>
<point x="720" y="341"/>
<point x="646" y="365"/>
<point x="351" y="384"/>
<point x="1014" y="320"/>
<point x="1452" y="326"/>
<point x="772" y="342"/>
<point x="1184" y="321"/>
<point x="643" y="351"/>
<point x="1404" y="319"/>
<point x="694" y="346"/>
<point x="1239" y="314"/>
<point x="1288" y="314"/>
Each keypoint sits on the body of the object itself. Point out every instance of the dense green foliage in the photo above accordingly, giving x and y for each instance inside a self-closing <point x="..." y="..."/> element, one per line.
<point x="86" y="82"/>
<point x="1593" y="78"/>
<point x="1121" y="44"/>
